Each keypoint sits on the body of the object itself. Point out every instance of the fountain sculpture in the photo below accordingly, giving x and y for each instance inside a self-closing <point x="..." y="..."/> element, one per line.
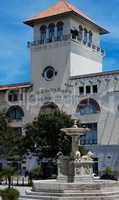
<point x="75" y="180"/>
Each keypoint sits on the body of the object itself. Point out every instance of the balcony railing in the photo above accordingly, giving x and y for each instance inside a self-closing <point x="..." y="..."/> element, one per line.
<point x="38" y="43"/>
<point x="48" y="41"/>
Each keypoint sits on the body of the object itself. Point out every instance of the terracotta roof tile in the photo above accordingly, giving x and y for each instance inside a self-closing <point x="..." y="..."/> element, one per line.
<point x="61" y="7"/>
<point x="15" y="86"/>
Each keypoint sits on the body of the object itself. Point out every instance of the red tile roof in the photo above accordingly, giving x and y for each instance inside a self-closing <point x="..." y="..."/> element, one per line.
<point x="60" y="8"/>
<point x="15" y="86"/>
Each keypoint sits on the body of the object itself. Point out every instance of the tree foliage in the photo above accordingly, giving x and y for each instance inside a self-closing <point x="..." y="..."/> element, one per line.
<point x="7" y="172"/>
<point x="10" y="141"/>
<point x="45" y="132"/>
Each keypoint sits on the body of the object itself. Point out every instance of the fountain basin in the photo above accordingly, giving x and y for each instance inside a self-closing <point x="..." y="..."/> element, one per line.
<point x="54" y="190"/>
<point x="75" y="131"/>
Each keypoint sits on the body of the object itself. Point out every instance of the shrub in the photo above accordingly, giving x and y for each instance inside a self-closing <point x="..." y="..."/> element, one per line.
<point x="108" y="174"/>
<point x="36" y="173"/>
<point x="108" y="171"/>
<point x="9" y="194"/>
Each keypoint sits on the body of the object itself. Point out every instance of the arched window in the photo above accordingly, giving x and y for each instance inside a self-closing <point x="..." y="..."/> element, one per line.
<point x="80" y="33"/>
<point x="43" y="34"/>
<point x="60" y="30"/>
<point x="88" y="106"/>
<point x="15" y="113"/>
<point x="85" y="36"/>
<point x="43" y="31"/>
<point x="90" y="37"/>
<point x="49" y="107"/>
<point x="51" y="29"/>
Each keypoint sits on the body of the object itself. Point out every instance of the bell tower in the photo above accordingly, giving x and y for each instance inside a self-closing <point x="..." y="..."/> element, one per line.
<point x="66" y="43"/>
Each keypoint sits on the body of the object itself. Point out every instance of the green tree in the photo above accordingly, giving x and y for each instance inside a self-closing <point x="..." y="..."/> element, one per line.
<point x="7" y="172"/>
<point x="10" y="141"/>
<point x="45" y="132"/>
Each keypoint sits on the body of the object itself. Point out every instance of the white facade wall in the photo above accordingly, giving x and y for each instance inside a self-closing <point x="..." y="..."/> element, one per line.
<point x="81" y="65"/>
<point x="55" y="55"/>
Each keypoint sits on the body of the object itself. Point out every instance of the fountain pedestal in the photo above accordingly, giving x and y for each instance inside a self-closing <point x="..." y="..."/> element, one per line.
<point x="83" y="171"/>
<point x="75" y="170"/>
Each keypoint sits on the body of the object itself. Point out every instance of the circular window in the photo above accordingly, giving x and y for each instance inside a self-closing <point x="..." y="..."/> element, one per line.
<point x="49" y="73"/>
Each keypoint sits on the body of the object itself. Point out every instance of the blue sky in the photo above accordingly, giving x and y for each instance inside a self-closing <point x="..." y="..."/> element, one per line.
<point x="14" y="55"/>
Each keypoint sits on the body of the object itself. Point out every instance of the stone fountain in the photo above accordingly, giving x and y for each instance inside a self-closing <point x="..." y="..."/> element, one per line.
<point x="75" y="180"/>
<point x="75" y="168"/>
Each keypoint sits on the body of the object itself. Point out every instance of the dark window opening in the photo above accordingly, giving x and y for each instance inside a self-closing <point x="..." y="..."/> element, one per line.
<point x="88" y="89"/>
<point x="74" y="34"/>
<point x="90" y="37"/>
<point x="43" y="34"/>
<point x="51" y="29"/>
<point x="81" y="90"/>
<point x="10" y="97"/>
<point x="60" y="31"/>
<point x="95" y="89"/>
<point x="15" y="97"/>
<point x="85" y="36"/>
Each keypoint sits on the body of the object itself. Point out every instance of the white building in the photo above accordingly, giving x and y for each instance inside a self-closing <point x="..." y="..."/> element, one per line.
<point x="66" y="61"/>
